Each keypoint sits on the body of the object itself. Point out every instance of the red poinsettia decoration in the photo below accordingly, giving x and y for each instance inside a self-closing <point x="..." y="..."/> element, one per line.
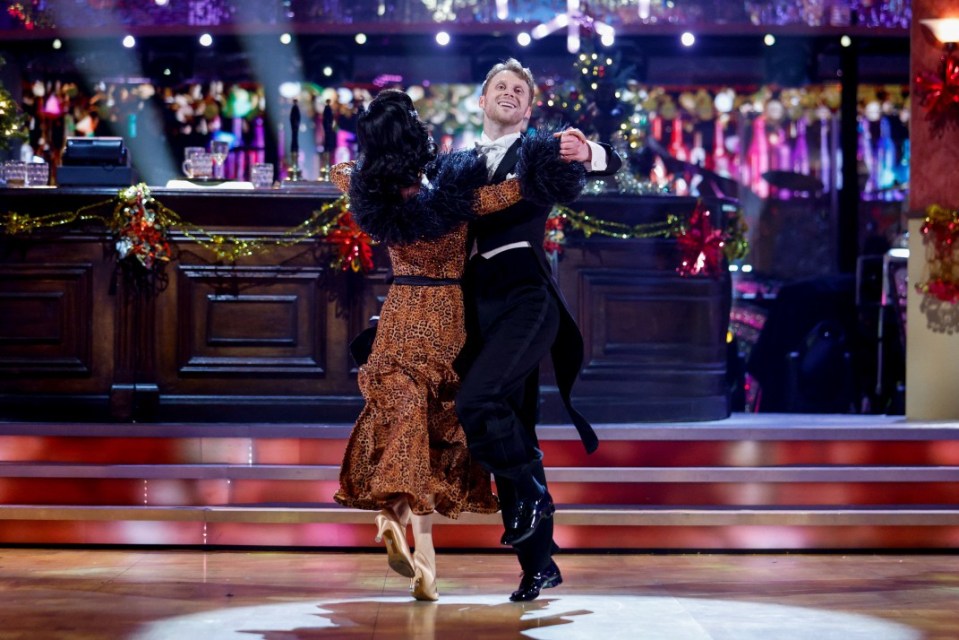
<point x="939" y="94"/>
<point x="141" y="231"/>
<point x="940" y="233"/>
<point x="555" y="234"/>
<point x="701" y="244"/>
<point x="353" y="246"/>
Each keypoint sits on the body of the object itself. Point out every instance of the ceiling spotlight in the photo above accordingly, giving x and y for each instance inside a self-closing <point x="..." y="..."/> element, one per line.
<point x="845" y="41"/>
<point x="360" y="38"/>
<point x="607" y="34"/>
<point x="129" y="42"/>
<point x="442" y="38"/>
<point x="206" y="40"/>
<point x="688" y="39"/>
<point x="327" y="71"/>
<point x="769" y="39"/>
<point x="57" y="43"/>
<point x="286" y="38"/>
<point x="524" y="39"/>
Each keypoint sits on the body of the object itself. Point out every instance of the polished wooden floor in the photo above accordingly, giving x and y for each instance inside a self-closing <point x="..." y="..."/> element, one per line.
<point x="289" y="595"/>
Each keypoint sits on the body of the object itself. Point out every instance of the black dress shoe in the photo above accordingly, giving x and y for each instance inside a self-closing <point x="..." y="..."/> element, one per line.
<point x="529" y="586"/>
<point x="526" y="517"/>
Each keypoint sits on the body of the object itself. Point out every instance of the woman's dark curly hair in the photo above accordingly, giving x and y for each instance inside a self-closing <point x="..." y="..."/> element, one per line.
<point x="395" y="145"/>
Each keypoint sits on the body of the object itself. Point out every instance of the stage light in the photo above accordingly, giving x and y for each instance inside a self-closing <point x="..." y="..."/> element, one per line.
<point x="161" y="3"/>
<point x="607" y="34"/>
<point x="206" y="40"/>
<point x="524" y="39"/>
<point x="57" y="43"/>
<point x="442" y="38"/>
<point x="769" y="39"/>
<point x="360" y="38"/>
<point x="845" y="41"/>
<point x="129" y="42"/>
<point x="286" y="38"/>
<point x="688" y="39"/>
<point x="327" y="71"/>
<point x="290" y="90"/>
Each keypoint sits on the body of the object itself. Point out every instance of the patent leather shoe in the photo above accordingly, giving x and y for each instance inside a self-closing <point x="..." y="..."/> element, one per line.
<point x="530" y="585"/>
<point x="526" y="516"/>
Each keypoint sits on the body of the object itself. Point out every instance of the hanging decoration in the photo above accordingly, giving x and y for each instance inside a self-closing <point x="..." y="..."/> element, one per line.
<point x="702" y="244"/>
<point x="940" y="234"/>
<point x="142" y="226"/>
<point x="353" y="245"/>
<point x="142" y="233"/>
<point x="939" y="94"/>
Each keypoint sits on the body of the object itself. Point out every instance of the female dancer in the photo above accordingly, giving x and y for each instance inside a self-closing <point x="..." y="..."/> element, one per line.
<point x="407" y="455"/>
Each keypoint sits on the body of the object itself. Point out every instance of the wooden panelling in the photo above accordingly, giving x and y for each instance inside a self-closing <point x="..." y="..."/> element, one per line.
<point x="45" y="319"/>
<point x="259" y="321"/>
<point x="265" y="338"/>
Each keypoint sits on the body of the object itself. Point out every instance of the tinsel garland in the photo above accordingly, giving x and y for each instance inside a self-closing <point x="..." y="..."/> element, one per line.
<point x="700" y="241"/>
<point x="141" y="226"/>
<point x="588" y="225"/>
<point x="940" y="231"/>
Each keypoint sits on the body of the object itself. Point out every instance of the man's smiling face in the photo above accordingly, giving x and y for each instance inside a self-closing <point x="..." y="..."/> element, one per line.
<point x="507" y="100"/>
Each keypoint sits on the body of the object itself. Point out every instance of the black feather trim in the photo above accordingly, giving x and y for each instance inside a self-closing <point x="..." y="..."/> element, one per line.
<point x="544" y="178"/>
<point x="437" y="209"/>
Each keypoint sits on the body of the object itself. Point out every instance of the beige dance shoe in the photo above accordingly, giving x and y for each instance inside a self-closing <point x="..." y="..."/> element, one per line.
<point x="423" y="584"/>
<point x="390" y="531"/>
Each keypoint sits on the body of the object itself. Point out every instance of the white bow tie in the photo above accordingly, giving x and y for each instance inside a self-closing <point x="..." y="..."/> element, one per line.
<point x="492" y="148"/>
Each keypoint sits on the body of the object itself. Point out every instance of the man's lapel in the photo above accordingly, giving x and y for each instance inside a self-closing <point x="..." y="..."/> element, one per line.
<point x="508" y="162"/>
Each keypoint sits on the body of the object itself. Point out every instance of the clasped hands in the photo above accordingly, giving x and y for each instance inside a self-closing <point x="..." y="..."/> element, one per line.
<point x="573" y="146"/>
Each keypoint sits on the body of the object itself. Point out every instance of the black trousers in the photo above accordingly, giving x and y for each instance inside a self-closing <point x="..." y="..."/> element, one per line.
<point x="512" y="322"/>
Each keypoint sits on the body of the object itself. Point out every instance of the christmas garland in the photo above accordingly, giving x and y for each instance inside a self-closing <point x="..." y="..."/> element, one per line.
<point x="141" y="227"/>
<point x="700" y="242"/>
<point x="940" y="233"/>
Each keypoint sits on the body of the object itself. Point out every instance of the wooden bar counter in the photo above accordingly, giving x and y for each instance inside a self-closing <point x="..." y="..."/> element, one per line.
<point x="264" y="338"/>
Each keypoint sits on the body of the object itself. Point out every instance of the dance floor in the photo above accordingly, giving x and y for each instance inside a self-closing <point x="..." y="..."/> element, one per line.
<point x="294" y="595"/>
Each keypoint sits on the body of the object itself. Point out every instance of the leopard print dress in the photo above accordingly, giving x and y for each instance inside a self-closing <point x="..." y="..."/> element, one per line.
<point x="408" y="440"/>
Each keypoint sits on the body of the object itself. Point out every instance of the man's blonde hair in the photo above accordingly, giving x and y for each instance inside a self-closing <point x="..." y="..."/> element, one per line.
<point x="515" y="66"/>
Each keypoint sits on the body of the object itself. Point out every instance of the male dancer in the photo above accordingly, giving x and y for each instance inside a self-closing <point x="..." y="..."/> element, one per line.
<point x="515" y="315"/>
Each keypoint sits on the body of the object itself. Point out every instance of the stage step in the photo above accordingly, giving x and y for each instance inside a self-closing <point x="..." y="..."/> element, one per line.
<point x="637" y="475"/>
<point x="754" y="481"/>
<point x="583" y="516"/>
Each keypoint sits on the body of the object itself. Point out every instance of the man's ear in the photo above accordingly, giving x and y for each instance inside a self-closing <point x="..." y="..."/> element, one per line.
<point x="529" y="111"/>
<point x="482" y="102"/>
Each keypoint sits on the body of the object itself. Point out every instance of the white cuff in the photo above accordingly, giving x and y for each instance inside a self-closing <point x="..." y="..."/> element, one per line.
<point x="598" y="159"/>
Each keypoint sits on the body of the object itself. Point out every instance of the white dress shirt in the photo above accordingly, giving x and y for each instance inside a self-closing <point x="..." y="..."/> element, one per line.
<point x="494" y="150"/>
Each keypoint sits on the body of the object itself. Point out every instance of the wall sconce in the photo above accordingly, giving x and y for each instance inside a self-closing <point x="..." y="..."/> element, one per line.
<point x="938" y="92"/>
<point x="946" y="30"/>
